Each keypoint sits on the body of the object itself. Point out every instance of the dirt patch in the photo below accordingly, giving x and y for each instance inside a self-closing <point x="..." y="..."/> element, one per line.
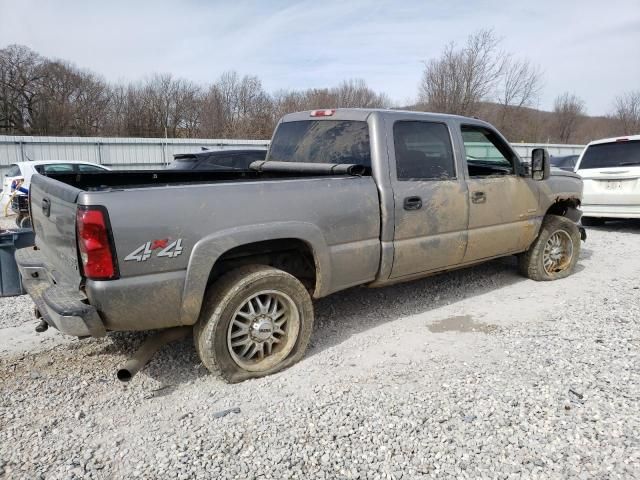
<point x="461" y="324"/>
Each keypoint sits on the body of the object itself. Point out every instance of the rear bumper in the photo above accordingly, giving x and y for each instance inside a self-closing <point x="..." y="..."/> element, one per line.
<point x="62" y="306"/>
<point x="610" y="211"/>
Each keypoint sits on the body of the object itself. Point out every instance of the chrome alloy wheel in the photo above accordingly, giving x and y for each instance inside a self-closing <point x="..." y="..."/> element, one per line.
<point x="263" y="331"/>
<point x="558" y="252"/>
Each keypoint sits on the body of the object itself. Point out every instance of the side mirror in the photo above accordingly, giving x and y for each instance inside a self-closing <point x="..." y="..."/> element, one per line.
<point x="540" y="165"/>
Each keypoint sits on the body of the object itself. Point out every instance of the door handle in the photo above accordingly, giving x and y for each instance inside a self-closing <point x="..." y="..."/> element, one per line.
<point x="46" y="207"/>
<point x="412" y="203"/>
<point x="478" y="197"/>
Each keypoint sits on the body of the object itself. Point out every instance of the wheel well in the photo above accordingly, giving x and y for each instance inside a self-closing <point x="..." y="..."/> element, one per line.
<point x="291" y="255"/>
<point x="567" y="207"/>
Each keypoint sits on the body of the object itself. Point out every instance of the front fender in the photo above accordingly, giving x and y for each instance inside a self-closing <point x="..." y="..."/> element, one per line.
<point x="208" y="250"/>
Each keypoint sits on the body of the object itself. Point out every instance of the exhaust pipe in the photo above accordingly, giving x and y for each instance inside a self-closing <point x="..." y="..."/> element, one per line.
<point x="148" y="349"/>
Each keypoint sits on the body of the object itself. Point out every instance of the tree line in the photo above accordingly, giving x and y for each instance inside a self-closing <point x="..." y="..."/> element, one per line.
<point x="480" y="79"/>
<point x="42" y="96"/>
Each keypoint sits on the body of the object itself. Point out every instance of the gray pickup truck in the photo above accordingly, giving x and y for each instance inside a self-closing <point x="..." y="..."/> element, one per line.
<point x="345" y="197"/>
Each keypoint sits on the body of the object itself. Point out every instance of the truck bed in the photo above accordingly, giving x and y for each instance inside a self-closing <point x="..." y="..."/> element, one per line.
<point x="117" y="180"/>
<point x="208" y="214"/>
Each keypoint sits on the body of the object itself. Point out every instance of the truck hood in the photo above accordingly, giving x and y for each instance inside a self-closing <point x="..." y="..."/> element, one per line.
<point x="558" y="172"/>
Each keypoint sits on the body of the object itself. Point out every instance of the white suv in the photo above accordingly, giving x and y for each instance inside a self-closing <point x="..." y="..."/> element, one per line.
<point x="610" y="169"/>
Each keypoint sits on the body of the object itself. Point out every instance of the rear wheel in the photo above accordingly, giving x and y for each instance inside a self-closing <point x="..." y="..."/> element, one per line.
<point x="257" y="320"/>
<point x="554" y="254"/>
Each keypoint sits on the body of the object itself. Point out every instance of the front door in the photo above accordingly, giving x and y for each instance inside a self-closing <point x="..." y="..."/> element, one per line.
<point x="503" y="205"/>
<point x="430" y="195"/>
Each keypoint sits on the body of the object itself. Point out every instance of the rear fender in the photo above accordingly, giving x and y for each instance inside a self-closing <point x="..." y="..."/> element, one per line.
<point x="209" y="249"/>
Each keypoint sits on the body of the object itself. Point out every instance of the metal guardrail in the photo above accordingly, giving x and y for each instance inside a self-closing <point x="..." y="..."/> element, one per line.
<point x="116" y="152"/>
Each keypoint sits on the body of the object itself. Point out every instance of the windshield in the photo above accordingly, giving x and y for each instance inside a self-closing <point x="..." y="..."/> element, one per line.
<point x="322" y="141"/>
<point x="605" y="155"/>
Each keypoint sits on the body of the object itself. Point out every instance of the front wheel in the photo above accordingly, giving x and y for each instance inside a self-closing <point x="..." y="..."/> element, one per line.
<point x="554" y="254"/>
<point x="256" y="321"/>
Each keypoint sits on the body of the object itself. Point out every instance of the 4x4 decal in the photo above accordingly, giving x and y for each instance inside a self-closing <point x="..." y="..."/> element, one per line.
<point x="144" y="251"/>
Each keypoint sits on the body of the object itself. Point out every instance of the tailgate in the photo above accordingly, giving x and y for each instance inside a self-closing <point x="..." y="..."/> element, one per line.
<point x="611" y="186"/>
<point x="53" y="215"/>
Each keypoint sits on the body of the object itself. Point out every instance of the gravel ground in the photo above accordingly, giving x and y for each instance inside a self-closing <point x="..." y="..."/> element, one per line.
<point x="478" y="373"/>
<point x="7" y="222"/>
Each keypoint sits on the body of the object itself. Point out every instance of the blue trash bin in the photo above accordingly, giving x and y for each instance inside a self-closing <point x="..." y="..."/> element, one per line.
<point x="10" y="241"/>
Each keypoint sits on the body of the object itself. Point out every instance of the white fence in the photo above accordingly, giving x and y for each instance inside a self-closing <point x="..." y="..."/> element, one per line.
<point x="555" y="149"/>
<point x="134" y="153"/>
<point x="146" y="153"/>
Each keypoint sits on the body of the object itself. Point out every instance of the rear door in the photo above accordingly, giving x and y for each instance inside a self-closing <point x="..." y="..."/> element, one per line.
<point x="503" y="206"/>
<point x="611" y="174"/>
<point x="430" y="196"/>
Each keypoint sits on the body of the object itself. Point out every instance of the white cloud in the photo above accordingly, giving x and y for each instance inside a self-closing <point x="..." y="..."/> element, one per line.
<point x="586" y="47"/>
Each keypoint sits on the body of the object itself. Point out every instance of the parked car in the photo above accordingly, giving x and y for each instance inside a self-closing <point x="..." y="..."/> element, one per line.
<point x="15" y="185"/>
<point x="566" y="162"/>
<point x="230" y="159"/>
<point x="610" y="169"/>
<point x="345" y="197"/>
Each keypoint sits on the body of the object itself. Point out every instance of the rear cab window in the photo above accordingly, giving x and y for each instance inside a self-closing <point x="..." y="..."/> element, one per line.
<point x="614" y="154"/>
<point x="322" y="141"/>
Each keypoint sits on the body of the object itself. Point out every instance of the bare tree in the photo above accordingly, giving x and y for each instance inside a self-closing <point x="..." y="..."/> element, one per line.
<point x="21" y="73"/>
<point x="627" y="112"/>
<point x="355" y="93"/>
<point x="237" y="106"/>
<point x="288" y="101"/>
<point x="462" y="78"/>
<point x="518" y="87"/>
<point x="568" y="110"/>
<point x="91" y="105"/>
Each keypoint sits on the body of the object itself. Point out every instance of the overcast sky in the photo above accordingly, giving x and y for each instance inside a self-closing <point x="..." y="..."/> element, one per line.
<point x="588" y="47"/>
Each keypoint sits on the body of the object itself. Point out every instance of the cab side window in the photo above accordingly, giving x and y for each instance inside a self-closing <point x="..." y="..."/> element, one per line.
<point x="487" y="155"/>
<point x="423" y="151"/>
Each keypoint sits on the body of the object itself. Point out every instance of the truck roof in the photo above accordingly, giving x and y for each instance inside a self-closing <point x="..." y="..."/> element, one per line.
<point x="623" y="138"/>
<point x="363" y="113"/>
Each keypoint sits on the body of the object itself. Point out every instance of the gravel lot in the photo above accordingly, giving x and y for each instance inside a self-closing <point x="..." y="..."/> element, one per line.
<point x="478" y="373"/>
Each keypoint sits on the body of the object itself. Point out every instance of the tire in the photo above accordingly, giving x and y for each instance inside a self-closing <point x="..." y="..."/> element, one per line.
<point x="532" y="262"/>
<point x="592" y="221"/>
<point x="234" y="311"/>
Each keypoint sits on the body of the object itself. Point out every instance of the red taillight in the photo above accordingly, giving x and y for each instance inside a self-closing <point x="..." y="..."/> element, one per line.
<point x="323" y="113"/>
<point x="94" y="244"/>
